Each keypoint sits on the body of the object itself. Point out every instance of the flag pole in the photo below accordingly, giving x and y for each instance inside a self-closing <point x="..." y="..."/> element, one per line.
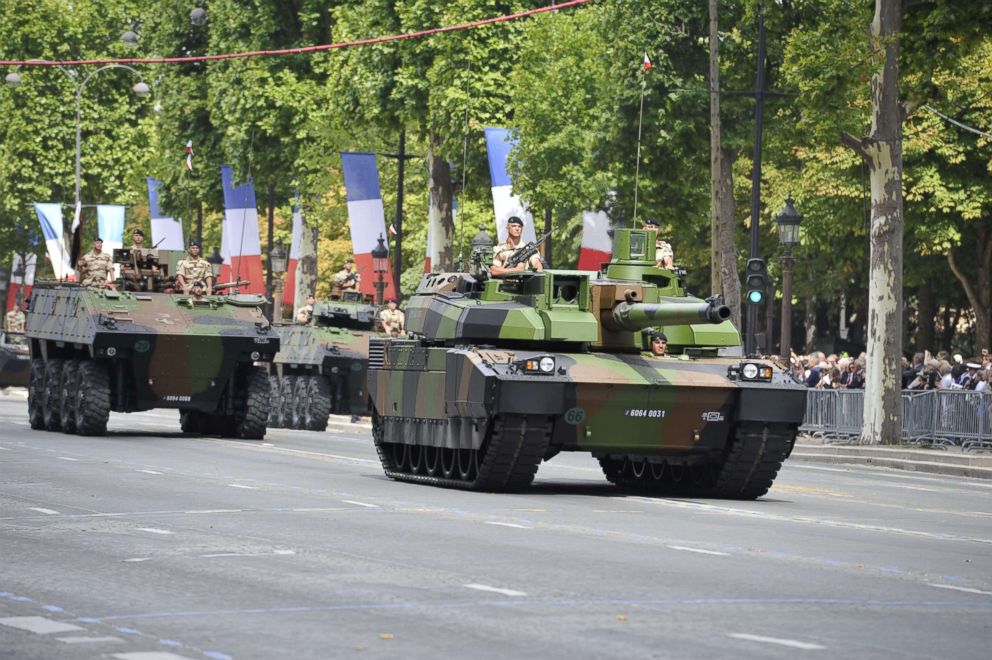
<point x="640" y="121"/>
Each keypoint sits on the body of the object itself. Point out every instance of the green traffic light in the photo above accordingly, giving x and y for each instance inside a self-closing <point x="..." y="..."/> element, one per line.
<point x="755" y="296"/>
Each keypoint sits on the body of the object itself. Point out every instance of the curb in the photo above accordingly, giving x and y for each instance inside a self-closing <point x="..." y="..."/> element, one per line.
<point x="976" y="466"/>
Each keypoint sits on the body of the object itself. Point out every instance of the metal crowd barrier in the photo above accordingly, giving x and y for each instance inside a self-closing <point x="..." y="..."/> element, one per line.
<point x="941" y="417"/>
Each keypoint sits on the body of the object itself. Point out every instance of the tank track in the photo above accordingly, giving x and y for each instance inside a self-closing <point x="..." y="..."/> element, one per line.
<point x="746" y="472"/>
<point x="507" y="461"/>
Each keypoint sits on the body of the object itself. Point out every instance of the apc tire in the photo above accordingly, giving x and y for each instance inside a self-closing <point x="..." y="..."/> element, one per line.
<point x="67" y="395"/>
<point x="318" y="404"/>
<point x="93" y="400"/>
<point x="254" y="400"/>
<point x="299" y="403"/>
<point x="53" y="387"/>
<point x="36" y="395"/>
<point x="275" y="403"/>
<point x="286" y="401"/>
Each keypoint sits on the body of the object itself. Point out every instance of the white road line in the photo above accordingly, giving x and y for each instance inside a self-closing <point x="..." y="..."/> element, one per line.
<point x="149" y="471"/>
<point x="154" y="530"/>
<point x="248" y="554"/>
<point x="149" y="655"/>
<point x="47" y="512"/>
<point x="66" y="458"/>
<point x="365" y="504"/>
<point x="89" y="640"/>
<point x="791" y="643"/>
<point x="315" y="509"/>
<point x="4" y="448"/>
<point x="135" y="560"/>
<point x="506" y="524"/>
<point x="242" y="486"/>
<point x="495" y="590"/>
<point x="685" y="548"/>
<point x="197" y="511"/>
<point x="37" y="624"/>
<point x="284" y="552"/>
<point x="967" y="590"/>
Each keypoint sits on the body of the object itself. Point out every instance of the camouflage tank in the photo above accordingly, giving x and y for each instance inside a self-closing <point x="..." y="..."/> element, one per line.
<point x="96" y="351"/>
<point x="503" y="373"/>
<point x="320" y="367"/>
<point x="15" y="360"/>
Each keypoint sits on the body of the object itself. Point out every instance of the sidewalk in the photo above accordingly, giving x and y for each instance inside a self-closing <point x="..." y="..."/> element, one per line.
<point x="950" y="461"/>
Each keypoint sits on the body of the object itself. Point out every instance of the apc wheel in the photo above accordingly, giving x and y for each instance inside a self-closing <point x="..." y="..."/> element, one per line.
<point x="252" y="405"/>
<point x="318" y="403"/>
<point x="67" y="395"/>
<point x="275" y="403"/>
<point x="36" y="395"/>
<point x="92" y="398"/>
<point x="53" y="388"/>
<point x="286" y="388"/>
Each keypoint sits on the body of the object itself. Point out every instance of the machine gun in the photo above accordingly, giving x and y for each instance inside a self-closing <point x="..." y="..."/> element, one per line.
<point x="350" y="277"/>
<point x="228" y="285"/>
<point x="523" y="255"/>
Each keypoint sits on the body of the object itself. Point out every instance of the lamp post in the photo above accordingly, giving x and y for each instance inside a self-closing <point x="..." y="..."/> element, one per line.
<point x="277" y="266"/>
<point x="380" y="264"/>
<point x="788" y="221"/>
<point x="4" y="281"/>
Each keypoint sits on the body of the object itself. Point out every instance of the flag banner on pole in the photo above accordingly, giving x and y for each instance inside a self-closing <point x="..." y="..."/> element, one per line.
<point x="21" y="284"/>
<point x="597" y="246"/>
<point x="240" y="243"/>
<point x="647" y="63"/>
<point x="50" y="217"/>
<point x="76" y="246"/>
<point x="366" y="218"/>
<point x="167" y="233"/>
<point x="499" y="142"/>
<point x="110" y="227"/>
<point x="289" y="288"/>
<point x="188" y="163"/>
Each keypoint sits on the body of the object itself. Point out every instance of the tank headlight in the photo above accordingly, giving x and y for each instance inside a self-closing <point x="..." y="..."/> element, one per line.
<point x="761" y="373"/>
<point x="547" y="364"/>
<point x="544" y="364"/>
<point x="255" y="355"/>
<point x="750" y="371"/>
<point x="111" y="352"/>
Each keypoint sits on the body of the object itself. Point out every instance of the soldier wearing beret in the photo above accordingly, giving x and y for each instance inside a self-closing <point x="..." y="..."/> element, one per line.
<point x="193" y="268"/>
<point x="513" y="242"/>
<point x="392" y="318"/>
<point x="659" y="344"/>
<point x="95" y="267"/>
<point x="346" y="279"/>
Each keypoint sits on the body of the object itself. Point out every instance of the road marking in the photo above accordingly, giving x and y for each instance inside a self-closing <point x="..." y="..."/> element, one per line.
<point x="284" y="552"/>
<point x="5" y="448"/>
<point x="268" y="444"/>
<point x="365" y="504"/>
<point x="66" y="458"/>
<point x="685" y="548"/>
<point x="154" y="530"/>
<point x="89" y="640"/>
<point x="242" y="486"/>
<point x="495" y="590"/>
<point x="149" y="655"/>
<point x="314" y="509"/>
<point x="791" y="643"/>
<point x="249" y="554"/>
<point x="198" y="511"/>
<point x="967" y="590"/>
<point x="149" y="471"/>
<point x="47" y="512"/>
<point x="135" y="560"/>
<point x="506" y="524"/>
<point x="38" y="624"/>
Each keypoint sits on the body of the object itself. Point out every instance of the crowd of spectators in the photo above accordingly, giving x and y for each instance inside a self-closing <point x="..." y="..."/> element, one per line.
<point x="942" y="371"/>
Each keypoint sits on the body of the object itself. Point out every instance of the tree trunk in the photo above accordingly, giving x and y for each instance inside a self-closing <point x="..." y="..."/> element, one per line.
<point x="925" y="317"/>
<point x="306" y="266"/>
<point x="978" y="288"/>
<point x="716" y="262"/>
<point x="882" y="152"/>
<point x="730" y="280"/>
<point x="439" y="212"/>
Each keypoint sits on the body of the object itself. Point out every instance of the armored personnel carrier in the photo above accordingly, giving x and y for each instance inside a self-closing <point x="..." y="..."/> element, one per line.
<point x="96" y="351"/>
<point x="320" y="367"/>
<point x="503" y="373"/>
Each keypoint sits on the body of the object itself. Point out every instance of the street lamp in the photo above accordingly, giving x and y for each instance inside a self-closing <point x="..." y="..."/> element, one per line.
<point x="277" y="266"/>
<point x="788" y="221"/>
<point x="198" y="16"/>
<point x="380" y="264"/>
<point x="130" y="39"/>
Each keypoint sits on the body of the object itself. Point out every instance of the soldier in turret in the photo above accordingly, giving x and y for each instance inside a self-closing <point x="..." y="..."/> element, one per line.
<point x="305" y="315"/>
<point x="140" y="258"/>
<point x="96" y="267"/>
<point x="513" y="242"/>
<point x="14" y="320"/>
<point x="346" y="279"/>
<point x="192" y="268"/>
<point x="659" y="344"/>
<point x="663" y="249"/>
<point x="392" y="318"/>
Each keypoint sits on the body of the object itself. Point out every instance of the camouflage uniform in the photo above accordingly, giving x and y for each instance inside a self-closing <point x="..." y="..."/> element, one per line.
<point x="305" y="315"/>
<point x="15" y="320"/>
<point x="95" y="269"/>
<point x="194" y="268"/>
<point x="664" y="254"/>
<point x="392" y="318"/>
<point x="504" y="250"/>
<point x="346" y="280"/>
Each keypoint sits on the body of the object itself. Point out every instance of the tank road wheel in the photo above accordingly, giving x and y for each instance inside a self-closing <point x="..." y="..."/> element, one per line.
<point x="275" y="403"/>
<point x="191" y="421"/>
<point x="753" y="461"/>
<point x="53" y="388"/>
<point x="286" y="401"/>
<point x="657" y="471"/>
<point x="67" y="395"/>
<point x="465" y="462"/>
<point x="638" y="468"/>
<point x="253" y="401"/>
<point x="448" y="463"/>
<point x="318" y="403"/>
<point x="92" y="398"/>
<point x="36" y="395"/>
<point x="416" y="459"/>
<point x="432" y="460"/>
<point x="401" y="455"/>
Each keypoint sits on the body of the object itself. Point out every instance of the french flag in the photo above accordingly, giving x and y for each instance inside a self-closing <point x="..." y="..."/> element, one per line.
<point x="366" y="217"/>
<point x="499" y="142"/>
<point x="597" y="246"/>
<point x="110" y="227"/>
<point x="167" y="233"/>
<point x="21" y="284"/>
<point x="240" y="244"/>
<point x="289" y="289"/>
<point x="50" y="217"/>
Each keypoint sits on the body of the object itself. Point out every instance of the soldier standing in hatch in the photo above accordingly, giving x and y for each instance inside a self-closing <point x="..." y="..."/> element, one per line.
<point x="14" y="320"/>
<point x="392" y="318"/>
<point x="347" y="278"/>
<point x="95" y="267"/>
<point x="193" y="268"/>
<point x="663" y="254"/>
<point x="140" y="253"/>
<point x="659" y="344"/>
<point x="513" y="242"/>
<point x="305" y="315"/>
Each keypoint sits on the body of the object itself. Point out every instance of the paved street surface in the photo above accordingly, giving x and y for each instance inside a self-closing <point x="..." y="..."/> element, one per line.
<point x="151" y="545"/>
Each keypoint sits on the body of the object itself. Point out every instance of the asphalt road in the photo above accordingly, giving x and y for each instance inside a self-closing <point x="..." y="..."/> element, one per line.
<point x="151" y="545"/>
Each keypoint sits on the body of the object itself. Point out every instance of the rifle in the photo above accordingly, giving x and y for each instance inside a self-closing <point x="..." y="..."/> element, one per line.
<point x="524" y="254"/>
<point x="154" y="247"/>
<point x="352" y="275"/>
<point x="228" y="285"/>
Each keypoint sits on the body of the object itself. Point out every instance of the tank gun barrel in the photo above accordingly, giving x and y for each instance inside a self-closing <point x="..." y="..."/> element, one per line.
<point x="638" y="316"/>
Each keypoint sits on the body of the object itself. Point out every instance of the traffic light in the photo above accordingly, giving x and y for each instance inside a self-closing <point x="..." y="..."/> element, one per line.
<point x="755" y="278"/>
